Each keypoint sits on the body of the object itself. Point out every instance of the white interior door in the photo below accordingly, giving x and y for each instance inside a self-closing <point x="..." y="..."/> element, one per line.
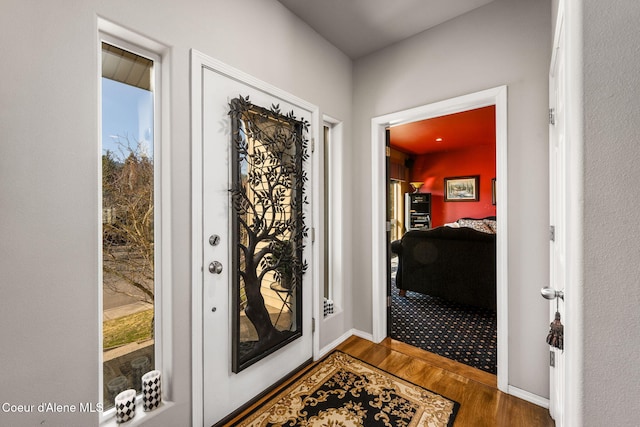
<point x="222" y="390"/>
<point x="558" y="184"/>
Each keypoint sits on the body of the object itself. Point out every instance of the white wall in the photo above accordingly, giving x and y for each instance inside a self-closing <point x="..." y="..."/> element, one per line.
<point x="611" y="232"/>
<point x="508" y="43"/>
<point x="48" y="166"/>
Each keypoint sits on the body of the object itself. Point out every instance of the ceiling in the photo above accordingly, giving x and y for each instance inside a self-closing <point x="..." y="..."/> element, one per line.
<point x="360" y="27"/>
<point x="456" y="131"/>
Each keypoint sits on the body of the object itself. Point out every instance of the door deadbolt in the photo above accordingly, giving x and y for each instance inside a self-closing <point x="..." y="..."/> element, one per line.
<point x="214" y="240"/>
<point x="215" y="267"/>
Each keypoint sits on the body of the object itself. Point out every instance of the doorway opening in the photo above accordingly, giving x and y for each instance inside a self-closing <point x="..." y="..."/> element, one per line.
<point x="380" y="228"/>
<point x="442" y="173"/>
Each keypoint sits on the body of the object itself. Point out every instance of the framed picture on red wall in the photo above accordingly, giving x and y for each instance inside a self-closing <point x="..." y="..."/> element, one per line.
<point x="462" y="189"/>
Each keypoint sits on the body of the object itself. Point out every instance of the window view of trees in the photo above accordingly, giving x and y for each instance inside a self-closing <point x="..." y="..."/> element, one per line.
<point x="127" y="194"/>
<point x="128" y="217"/>
<point x="128" y="269"/>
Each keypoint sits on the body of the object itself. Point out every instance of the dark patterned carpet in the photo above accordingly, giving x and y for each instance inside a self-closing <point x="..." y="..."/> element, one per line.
<point x="461" y="333"/>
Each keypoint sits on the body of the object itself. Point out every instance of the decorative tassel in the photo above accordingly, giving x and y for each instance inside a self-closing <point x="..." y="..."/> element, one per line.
<point x="556" y="334"/>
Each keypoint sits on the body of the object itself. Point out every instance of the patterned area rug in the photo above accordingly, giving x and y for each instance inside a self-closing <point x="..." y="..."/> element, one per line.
<point x="344" y="391"/>
<point x="465" y="334"/>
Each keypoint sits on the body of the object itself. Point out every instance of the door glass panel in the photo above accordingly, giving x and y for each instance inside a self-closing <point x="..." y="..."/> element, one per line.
<point x="269" y="150"/>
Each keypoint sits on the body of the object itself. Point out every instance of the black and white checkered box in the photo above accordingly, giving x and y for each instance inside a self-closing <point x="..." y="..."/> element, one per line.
<point x="328" y="307"/>
<point x="125" y="406"/>
<point x="151" y="390"/>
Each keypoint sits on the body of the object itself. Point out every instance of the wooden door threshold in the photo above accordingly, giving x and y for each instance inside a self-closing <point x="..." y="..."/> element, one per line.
<point x="441" y="362"/>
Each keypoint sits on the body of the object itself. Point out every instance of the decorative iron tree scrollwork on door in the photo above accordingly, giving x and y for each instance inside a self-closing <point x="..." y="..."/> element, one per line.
<point x="269" y="152"/>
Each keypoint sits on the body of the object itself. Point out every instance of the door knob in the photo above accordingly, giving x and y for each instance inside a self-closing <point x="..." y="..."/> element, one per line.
<point x="550" y="293"/>
<point x="215" y="267"/>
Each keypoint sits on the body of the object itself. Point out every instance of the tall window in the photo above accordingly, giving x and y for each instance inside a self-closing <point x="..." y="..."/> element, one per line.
<point x="328" y="294"/>
<point x="129" y="220"/>
<point x="332" y="236"/>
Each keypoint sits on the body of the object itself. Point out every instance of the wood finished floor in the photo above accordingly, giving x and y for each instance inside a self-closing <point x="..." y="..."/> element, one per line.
<point x="481" y="403"/>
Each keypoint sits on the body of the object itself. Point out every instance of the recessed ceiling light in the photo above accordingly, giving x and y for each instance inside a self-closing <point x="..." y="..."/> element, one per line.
<point x="438" y="139"/>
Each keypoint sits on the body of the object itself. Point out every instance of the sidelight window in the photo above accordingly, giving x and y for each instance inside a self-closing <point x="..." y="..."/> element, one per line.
<point x="131" y="220"/>
<point x="332" y="224"/>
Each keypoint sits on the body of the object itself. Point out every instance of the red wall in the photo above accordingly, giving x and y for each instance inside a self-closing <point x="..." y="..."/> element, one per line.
<point x="433" y="168"/>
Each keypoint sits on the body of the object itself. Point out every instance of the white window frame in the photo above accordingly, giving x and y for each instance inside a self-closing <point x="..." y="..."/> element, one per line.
<point x="333" y="222"/>
<point x="113" y="34"/>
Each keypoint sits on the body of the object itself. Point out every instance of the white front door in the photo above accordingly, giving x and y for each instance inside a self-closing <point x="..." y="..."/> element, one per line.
<point x="558" y="191"/>
<point x="221" y="389"/>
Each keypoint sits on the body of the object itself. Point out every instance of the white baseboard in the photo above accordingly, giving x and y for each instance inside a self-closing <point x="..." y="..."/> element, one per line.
<point x="363" y="335"/>
<point x="333" y="344"/>
<point x="529" y="397"/>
